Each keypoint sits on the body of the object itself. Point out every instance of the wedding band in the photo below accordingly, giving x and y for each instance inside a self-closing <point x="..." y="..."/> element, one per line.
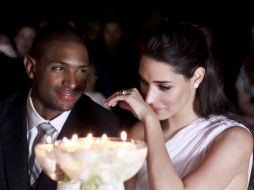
<point x="124" y="92"/>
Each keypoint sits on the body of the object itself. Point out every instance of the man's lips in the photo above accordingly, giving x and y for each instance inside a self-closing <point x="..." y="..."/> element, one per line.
<point x="67" y="95"/>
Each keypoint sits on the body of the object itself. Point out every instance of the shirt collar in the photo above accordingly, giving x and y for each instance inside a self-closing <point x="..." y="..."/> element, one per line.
<point x="34" y="118"/>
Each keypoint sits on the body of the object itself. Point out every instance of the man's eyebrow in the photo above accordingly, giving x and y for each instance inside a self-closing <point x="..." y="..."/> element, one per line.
<point x="64" y="63"/>
<point x="58" y="62"/>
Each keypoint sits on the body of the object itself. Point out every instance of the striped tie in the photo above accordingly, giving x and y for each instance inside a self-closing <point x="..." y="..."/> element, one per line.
<point x="44" y="130"/>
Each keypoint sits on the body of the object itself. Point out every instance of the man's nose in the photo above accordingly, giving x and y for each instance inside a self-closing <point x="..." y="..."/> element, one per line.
<point x="70" y="80"/>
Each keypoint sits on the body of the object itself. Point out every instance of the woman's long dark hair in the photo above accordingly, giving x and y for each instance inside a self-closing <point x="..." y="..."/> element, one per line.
<point x="183" y="46"/>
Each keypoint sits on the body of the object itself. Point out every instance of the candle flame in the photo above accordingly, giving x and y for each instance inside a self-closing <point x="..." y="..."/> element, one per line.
<point x="74" y="138"/>
<point x="65" y="140"/>
<point x="123" y="136"/>
<point x="88" y="141"/>
<point x="48" y="139"/>
<point x="104" y="137"/>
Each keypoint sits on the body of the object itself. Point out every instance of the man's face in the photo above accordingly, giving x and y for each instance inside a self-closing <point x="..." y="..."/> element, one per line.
<point x="59" y="78"/>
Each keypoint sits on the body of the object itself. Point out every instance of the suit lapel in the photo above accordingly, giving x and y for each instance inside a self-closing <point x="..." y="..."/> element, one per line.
<point x="73" y="125"/>
<point x="79" y="121"/>
<point x="15" y="148"/>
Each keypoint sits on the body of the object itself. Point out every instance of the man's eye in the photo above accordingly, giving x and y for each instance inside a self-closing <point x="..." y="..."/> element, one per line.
<point x="57" y="68"/>
<point x="83" y="70"/>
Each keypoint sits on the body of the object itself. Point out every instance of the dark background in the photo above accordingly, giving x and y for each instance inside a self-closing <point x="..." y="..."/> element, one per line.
<point x="230" y="21"/>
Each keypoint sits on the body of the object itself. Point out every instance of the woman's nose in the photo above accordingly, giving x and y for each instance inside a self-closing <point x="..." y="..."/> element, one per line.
<point x="150" y="96"/>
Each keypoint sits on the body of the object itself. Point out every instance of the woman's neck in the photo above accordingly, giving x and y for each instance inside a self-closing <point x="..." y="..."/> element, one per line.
<point x="171" y="126"/>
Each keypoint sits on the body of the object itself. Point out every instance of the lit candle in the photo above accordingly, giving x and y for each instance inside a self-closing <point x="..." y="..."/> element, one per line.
<point x="74" y="138"/>
<point x="123" y="136"/>
<point x="104" y="137"/>
<point x="71" y="145"/>
<point x="49" y="139"/>
<point x="121" y="152"/>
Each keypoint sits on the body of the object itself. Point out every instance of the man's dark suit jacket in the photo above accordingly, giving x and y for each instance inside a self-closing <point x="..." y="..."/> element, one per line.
<point x="86" y="116"/>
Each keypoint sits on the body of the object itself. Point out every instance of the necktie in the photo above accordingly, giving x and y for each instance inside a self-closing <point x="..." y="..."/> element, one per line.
<point x="44" y="129"/>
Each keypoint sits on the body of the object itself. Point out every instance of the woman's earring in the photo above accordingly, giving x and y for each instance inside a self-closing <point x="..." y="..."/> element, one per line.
<point x="195" y="85"/>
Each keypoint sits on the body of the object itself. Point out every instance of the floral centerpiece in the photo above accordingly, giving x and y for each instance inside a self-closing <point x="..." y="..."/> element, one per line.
<point x="91" y="163"/>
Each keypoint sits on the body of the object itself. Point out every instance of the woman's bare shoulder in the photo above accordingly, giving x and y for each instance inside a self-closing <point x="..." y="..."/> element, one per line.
<point x="238" y="135"/>
<point x="234" y="139"/>
<point x="242" y="136"/>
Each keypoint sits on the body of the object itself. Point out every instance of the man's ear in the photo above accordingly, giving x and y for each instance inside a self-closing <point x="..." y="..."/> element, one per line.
<point x="29" y="63"/>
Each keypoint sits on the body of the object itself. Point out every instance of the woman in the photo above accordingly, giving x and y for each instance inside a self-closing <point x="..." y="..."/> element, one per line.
<point x="185" y="119"/>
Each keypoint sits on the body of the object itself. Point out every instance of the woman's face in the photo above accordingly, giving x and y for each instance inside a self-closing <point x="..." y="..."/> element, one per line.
<point x="167" y="92"/>
<point x="24" y="40"/>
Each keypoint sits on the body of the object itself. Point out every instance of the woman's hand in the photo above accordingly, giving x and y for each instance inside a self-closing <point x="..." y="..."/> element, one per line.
<point x="131" y="100"/>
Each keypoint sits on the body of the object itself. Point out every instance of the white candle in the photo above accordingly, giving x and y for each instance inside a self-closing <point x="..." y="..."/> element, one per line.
<point x="123" y="136"/>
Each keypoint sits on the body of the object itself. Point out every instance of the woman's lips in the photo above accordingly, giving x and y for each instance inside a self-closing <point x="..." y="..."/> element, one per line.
<point x="156" y="110"/>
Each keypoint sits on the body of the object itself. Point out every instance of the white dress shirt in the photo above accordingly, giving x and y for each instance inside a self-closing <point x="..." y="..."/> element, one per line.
<point x="34" y="119"/>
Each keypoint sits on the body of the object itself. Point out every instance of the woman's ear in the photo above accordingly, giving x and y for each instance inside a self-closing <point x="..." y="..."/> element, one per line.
<point x="198" y="77"/>
<point x="29" y="64"/>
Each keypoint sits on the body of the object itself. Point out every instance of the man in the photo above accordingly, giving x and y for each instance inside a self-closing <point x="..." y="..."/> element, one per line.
<point x="57" y="68"/>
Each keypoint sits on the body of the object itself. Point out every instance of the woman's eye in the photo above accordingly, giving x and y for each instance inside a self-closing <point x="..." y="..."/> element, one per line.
<point x="143" y="82"/>
<point x="164" y="87"/>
